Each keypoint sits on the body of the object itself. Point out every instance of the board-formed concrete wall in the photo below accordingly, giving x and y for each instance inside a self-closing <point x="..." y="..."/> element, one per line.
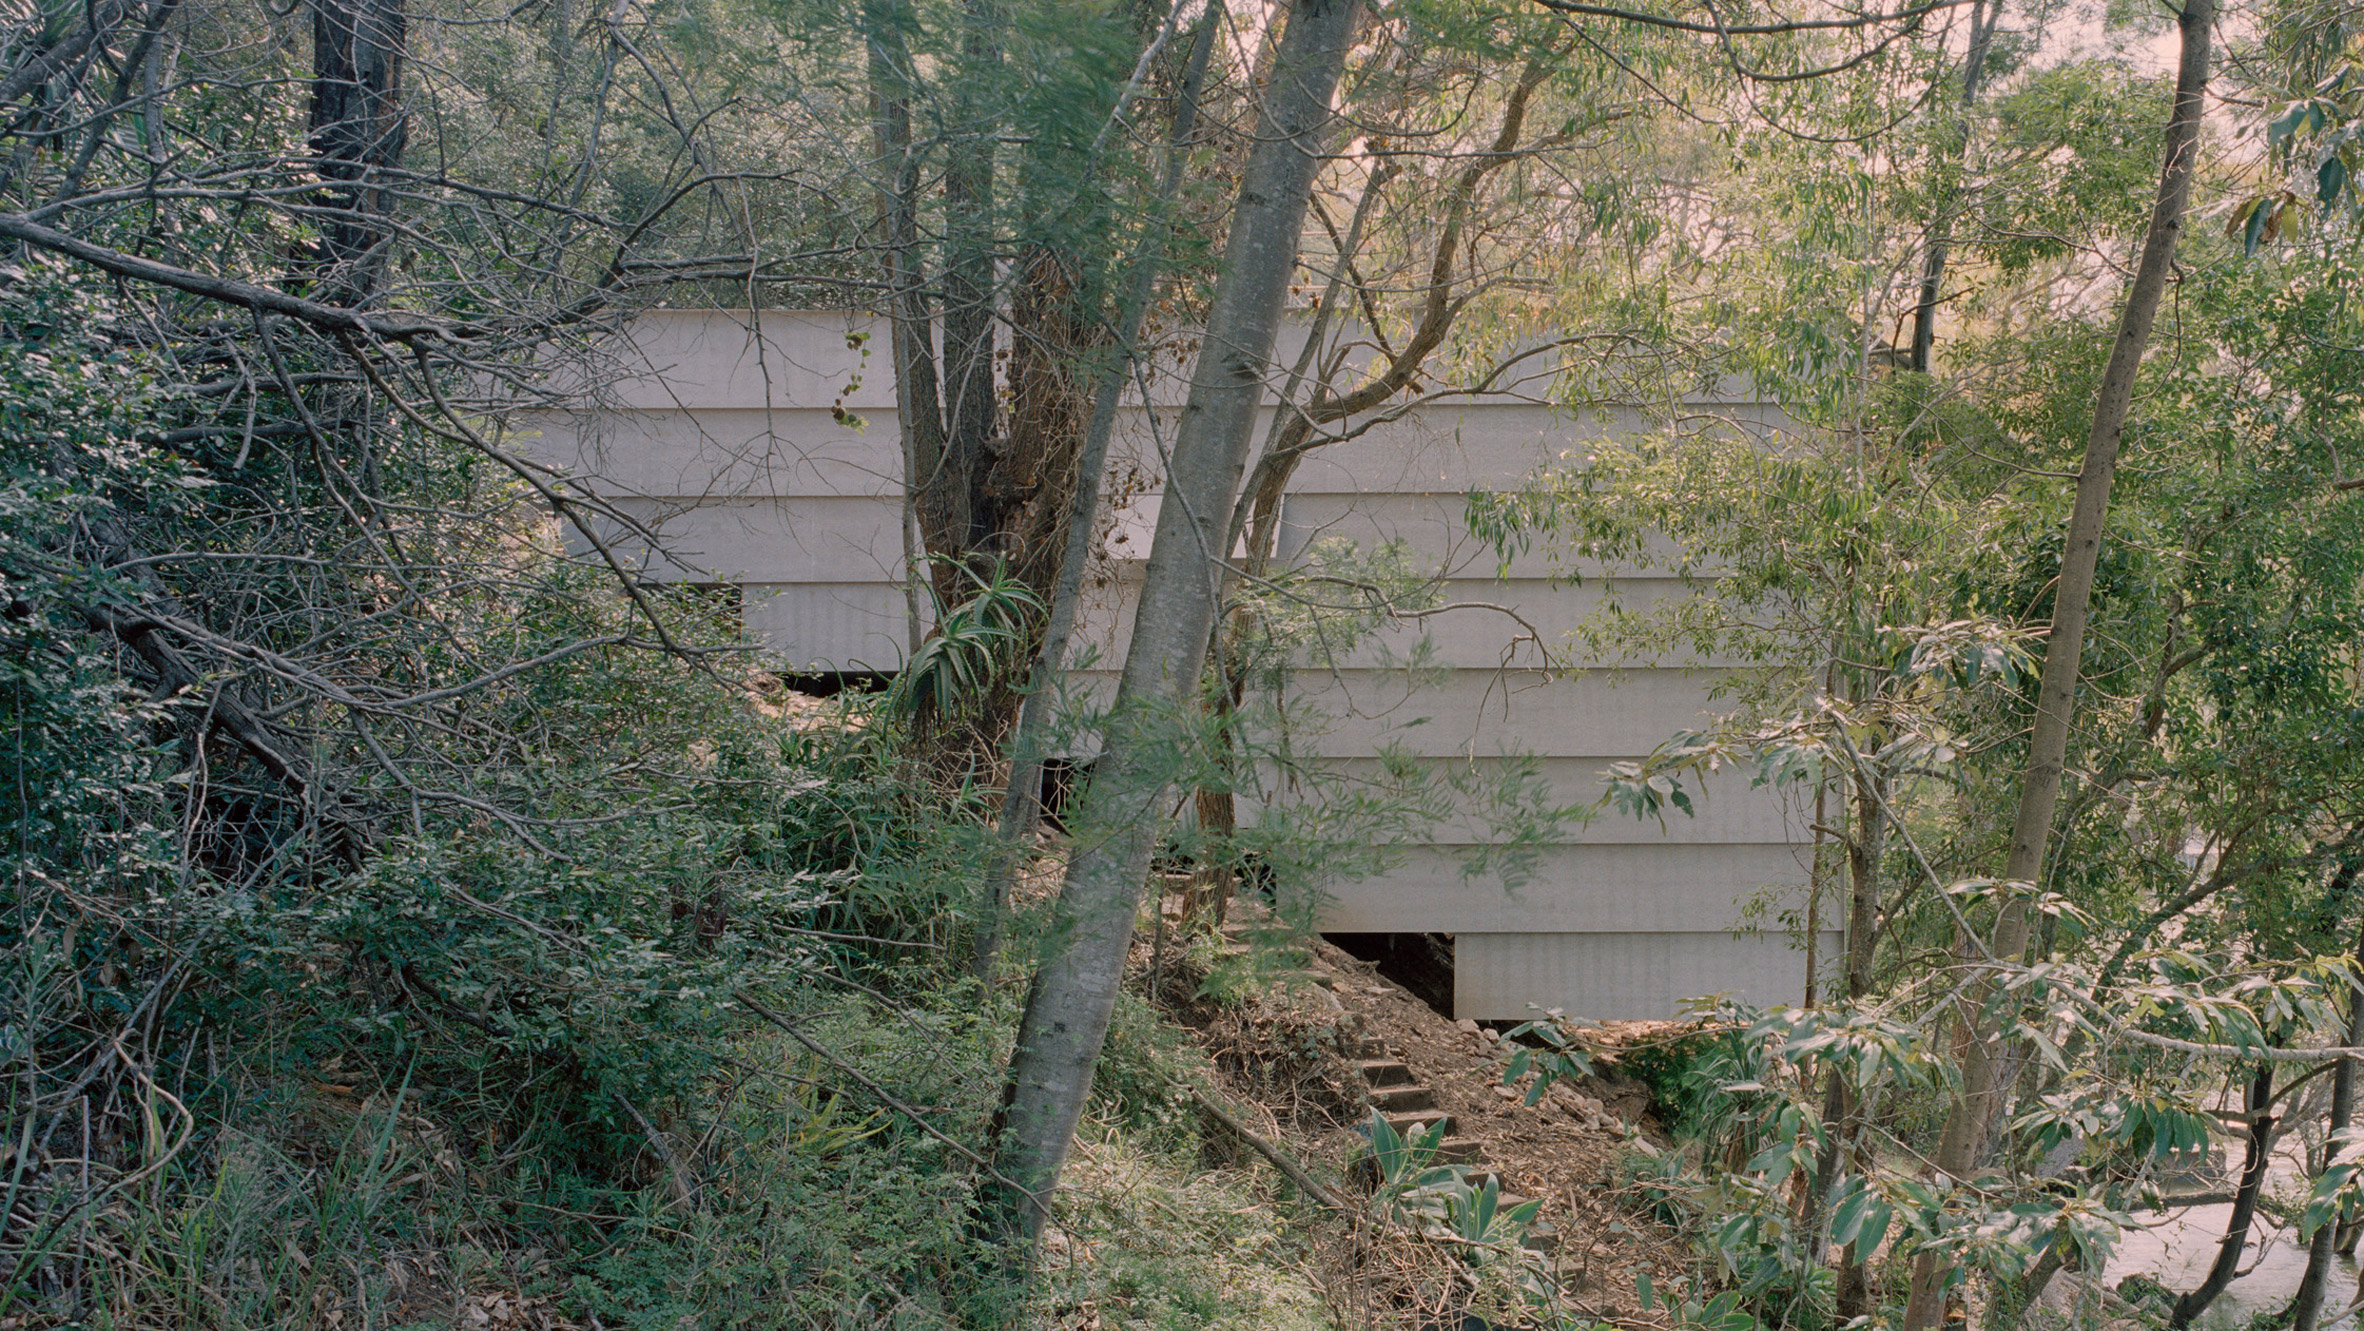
<point x="766" y="455"/>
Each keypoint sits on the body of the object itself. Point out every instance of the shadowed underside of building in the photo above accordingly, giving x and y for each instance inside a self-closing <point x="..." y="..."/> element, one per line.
<point x="766" y="457"/>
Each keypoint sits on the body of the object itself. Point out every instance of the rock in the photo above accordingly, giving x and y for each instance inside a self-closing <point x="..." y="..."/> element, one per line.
<point x="1468" y="1024"/>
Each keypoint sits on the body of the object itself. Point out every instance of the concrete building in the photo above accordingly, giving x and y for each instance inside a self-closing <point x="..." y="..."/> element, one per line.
<point x="768" y="459"/>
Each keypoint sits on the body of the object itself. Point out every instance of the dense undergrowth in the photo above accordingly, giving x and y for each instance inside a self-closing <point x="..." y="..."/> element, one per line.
<point x="438" y="950"/>
<point x="470" y="1084"/>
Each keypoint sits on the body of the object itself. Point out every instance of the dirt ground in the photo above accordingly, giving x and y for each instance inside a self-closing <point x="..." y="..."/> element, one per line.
<point x="1288" y="1049"/>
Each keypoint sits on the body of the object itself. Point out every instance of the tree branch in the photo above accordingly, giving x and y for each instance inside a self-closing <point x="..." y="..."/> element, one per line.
<point x="1746" y="29"/>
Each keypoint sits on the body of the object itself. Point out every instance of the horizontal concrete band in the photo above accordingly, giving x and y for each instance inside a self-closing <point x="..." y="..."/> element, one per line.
<point x="834" y="540"/>
<point x="1609" y="889"/>
<point x="809" y="538"/>
<point x="1510" y="977"/>
<point x="1476" y="713"/>
<point x="1505" y="792"/>
<point x="806" y="450"/>
<point x="814" y="620"/>
<point x="739" y="358"/>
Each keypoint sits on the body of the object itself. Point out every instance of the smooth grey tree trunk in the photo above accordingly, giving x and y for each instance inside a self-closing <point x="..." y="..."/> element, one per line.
<point x="1985" y="1066"/>
<point x="1122" y="814"/>
<point x="1021" y="804"/>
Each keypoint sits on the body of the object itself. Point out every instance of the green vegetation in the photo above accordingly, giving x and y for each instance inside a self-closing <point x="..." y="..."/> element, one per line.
<point x="419" y="906"/>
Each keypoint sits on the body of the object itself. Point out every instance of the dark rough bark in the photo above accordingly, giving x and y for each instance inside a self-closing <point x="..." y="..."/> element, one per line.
<point x="912" y="344"/>
<point x="1031" y="486"/>
<point x="1864" y="850"/>
<point x="1074" y="991"/>
<point x="358" y="129"/>
<point x="1984" y="15"/>
<point x="1021" y="805"/>
<point x="2236" y="1231"/>
<point x="1986" y="1065"/>
<point x="2306" y="1311"/>
<point x="972" y="411"/>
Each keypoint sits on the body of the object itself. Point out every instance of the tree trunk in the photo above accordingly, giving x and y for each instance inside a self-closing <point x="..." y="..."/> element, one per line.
<point x="1074" y="992"/>
<point x="2351" y="1225"/>
<point x="2306" y="1311"/>
<point x="1255" y="515"/>
<point x="971" y="402"/>
<point x="1864" y="852"/>
<point x="2236" y="1231"/>
<point x="1058" y="335"/>
<point x="911" y="343"/>
<point x="357" y="130"/>
<point x="1021" y="803"/>
<point x="1985" y="1070"/>
<point x="1984" y="15"/>
<point x="1864" y="849"/>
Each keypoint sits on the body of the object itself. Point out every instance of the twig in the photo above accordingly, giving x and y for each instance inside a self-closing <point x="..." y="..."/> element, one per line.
<point x="1281" y="1160"/>
<point x="684" y="1190"/>
<point x="885" y="1095"/>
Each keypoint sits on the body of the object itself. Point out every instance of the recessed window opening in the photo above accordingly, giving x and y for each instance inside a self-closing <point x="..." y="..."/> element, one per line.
<point x="1421" y="963"/>
<point x="830" y="683"/>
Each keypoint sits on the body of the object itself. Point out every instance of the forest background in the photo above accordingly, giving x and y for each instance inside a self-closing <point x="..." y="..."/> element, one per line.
<point x="400" y="887"/>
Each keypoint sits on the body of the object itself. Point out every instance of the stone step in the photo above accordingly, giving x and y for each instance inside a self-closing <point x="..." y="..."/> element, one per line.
<point x="1417" y="1120"/>
<point x="1460" y="1151"/>
<point x="1479" y="1174"/>
<point x="1373" y="1048"/>
<point x="1386" y="1072"/>
<point x="1405" y="1098"/>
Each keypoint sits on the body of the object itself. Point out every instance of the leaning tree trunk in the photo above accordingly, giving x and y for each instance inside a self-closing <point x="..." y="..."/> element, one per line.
<point x="1984" y="1067"/>
<point x="1864" y="852"/>
<point x="1074" y="991"/>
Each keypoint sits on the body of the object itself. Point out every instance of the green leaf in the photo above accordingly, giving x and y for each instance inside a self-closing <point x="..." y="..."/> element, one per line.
<point x="2282" y="126"/>
<point x="1846" y="1218"/>
<point x="2330" y="180"/>
<point x="1876" y="1218"/>
<point x="2259" y="215"/>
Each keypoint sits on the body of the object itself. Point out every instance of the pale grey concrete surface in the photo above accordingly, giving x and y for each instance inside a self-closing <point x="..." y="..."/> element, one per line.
<point x="773" y="463"/>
